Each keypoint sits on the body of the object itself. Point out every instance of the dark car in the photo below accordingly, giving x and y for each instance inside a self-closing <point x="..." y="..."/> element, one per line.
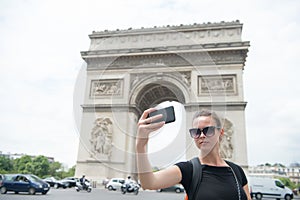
<point x="176" y="188"/>
<point x="56" y="183"/>
<point x="70" y="181"/>
<point x="23" y="183"/>
<point x="1" y="179"/>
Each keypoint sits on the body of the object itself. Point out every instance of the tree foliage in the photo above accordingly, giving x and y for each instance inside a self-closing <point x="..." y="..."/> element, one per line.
<point x="6" y="164"/>
<point x="39" y="166"/>
<point x="23" y="165"/>
<point x="287" y="182"/>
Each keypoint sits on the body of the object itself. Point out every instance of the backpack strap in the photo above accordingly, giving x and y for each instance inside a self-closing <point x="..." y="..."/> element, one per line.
<point x="236" y="170"/>
<point x="196" y="179"/>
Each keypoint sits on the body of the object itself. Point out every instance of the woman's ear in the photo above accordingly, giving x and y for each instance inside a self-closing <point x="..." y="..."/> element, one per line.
<point x="222" y="132"/>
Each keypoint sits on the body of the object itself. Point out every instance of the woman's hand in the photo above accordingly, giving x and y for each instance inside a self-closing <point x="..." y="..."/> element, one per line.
<point x="145" y="127"/>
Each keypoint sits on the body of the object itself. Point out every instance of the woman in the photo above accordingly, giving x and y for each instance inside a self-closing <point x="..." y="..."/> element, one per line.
<point x="218" y="179"/>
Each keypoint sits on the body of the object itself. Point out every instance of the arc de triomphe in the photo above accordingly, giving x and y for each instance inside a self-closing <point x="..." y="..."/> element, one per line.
<point x="198" y="65"/>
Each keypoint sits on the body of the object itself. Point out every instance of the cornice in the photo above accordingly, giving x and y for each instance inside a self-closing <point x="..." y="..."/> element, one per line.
<point x="110" y="107"/>
<point x="234" y="105"/>
<point x="166" y="29"/>
<point x="233" y="54"/>
<point x="166" y="49"/>
<point x="165" y="37"/>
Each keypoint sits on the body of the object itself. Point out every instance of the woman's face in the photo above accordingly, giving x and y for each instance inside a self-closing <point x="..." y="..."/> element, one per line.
<point x="207" y="143"/>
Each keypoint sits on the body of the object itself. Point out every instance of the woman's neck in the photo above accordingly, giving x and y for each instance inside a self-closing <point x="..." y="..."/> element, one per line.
<point x="213" y="160"/>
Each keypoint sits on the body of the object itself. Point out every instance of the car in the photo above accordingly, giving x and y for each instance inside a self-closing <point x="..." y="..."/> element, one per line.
<point x="115" y="183"/>
<point x="23" y="183"/>
<point x="70" y="181"/>
<point x="178" y="188"/>
<point x="56" y="183"/>
<point x="1" y="179"/>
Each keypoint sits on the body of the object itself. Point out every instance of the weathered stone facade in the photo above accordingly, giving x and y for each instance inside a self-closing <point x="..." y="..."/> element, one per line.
<point x="128" y="71"/>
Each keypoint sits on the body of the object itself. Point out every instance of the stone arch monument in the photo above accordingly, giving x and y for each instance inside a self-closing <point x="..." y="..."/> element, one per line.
<point x="128" y="71"/>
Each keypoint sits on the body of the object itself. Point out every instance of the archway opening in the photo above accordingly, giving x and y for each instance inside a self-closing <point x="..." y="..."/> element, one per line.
<point x="155" y="93"/>
<point x="167" y="145"/>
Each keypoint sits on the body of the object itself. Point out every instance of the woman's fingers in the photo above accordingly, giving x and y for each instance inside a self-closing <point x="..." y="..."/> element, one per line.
<point x="150" y="120"/>
<point x="145" y="119"/>
<point x="145" y="129"/>
<point x="146" y="113"/>
<point x="146" y="125"/>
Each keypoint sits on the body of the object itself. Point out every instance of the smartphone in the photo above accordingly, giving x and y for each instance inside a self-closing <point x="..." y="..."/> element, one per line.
<point x="168" y="114"/>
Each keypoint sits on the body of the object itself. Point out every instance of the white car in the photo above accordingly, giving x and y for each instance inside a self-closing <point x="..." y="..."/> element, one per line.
<point x="115" y="183"/>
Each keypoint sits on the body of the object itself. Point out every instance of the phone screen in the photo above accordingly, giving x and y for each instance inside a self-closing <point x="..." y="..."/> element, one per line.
<point x="168" y="114"/>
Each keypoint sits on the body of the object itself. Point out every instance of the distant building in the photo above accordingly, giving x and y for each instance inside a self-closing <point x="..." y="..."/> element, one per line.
<point x="292" y="172"/>
<point x="19" y="155"/>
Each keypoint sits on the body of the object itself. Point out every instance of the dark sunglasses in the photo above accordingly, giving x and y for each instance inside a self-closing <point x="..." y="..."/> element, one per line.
<point x="207" y="131"/>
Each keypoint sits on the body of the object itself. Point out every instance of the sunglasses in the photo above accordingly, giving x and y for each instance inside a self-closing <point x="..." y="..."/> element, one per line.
<point x="207" y="131"/>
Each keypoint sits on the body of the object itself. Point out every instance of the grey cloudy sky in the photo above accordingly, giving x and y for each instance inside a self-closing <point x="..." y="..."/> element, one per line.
<point x="40" y="61"/>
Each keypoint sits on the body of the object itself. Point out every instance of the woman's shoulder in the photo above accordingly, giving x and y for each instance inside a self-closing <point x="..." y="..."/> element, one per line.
<point x="186" y="168"/>
<point x="184" y="164"/>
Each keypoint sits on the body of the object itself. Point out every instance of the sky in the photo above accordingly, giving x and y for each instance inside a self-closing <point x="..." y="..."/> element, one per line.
<point x="41" y="68"/>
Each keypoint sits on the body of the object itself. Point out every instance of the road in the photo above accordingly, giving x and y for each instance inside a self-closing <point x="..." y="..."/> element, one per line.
<point x="96" y="194"/>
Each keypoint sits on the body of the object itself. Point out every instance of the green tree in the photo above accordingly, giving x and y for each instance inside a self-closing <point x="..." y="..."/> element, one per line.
<point x="23" y="164"/>
<point x="70" y="172"/>
<point x="40" y="166"/>
<point x="287" y="182"/>
<point x="6" y="165"/>
<point x="54" y="168"/>
<point x="268" y="165"/>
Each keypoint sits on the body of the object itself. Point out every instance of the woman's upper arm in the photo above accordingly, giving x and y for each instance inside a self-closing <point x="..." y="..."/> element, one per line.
<point x="246" y="189"/>
<point x="166" y="177"/>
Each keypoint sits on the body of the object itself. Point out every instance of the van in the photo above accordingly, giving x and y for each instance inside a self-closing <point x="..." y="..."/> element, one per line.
<point x="261" y="187"/>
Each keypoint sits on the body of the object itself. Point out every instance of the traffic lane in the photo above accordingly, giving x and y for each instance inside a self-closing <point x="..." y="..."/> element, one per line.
<point x="96" y="194"/>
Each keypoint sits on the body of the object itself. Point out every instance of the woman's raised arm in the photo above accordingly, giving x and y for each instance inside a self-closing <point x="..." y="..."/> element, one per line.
<point x="148" y="179"/>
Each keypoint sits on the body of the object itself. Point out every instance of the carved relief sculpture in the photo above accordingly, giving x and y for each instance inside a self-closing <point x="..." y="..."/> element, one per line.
<point x="186" y="78"/>
<point x="100" y="88"/>
<point x="101" y="137"/>
<point x="219" y="84"/>
<point x="226" y="149"/>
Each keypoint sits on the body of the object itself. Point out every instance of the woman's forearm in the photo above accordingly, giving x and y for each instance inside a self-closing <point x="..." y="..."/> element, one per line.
<point x="144" y="167"/>
<point x="145" y="127"/>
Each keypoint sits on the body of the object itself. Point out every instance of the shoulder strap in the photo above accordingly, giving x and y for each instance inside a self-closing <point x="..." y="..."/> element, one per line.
<point x="236" y="171"/>
<point x="196" y="179"/>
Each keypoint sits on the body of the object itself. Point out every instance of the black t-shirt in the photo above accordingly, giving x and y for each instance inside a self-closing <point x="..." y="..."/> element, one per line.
<point x="218" y="183"/>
